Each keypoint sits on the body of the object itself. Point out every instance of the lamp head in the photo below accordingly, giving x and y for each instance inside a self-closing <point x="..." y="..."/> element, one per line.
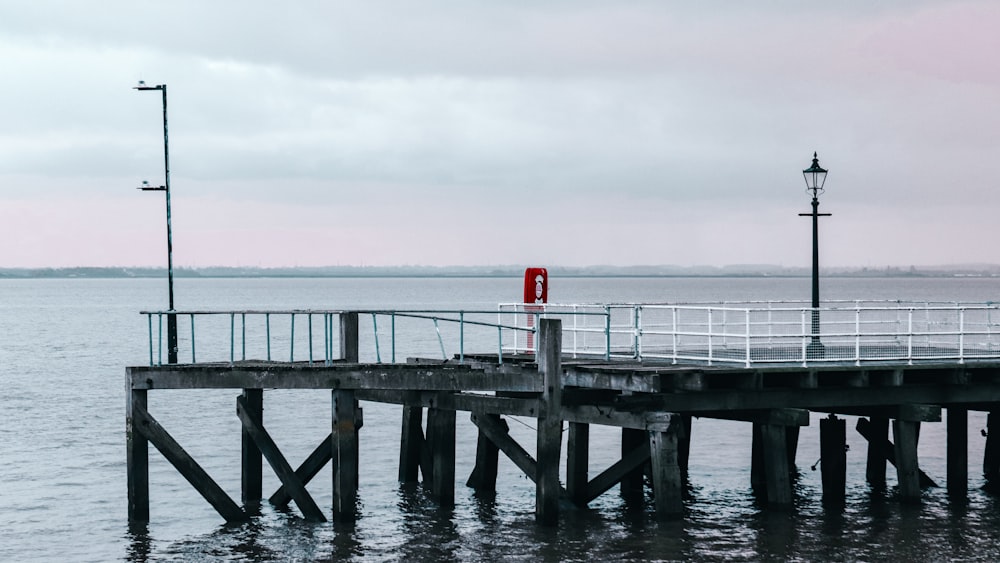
<point x="142" y="86"/>
<point x="815" y="177"/>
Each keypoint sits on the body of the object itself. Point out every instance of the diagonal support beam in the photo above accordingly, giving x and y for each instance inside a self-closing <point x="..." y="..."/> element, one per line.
<point x="309" y="469"/>
<point x="278" y="463"/>
<point x="185" y="464"/>
<point x="887" y="449"/>
<point x="497" y="434"/>
<point x="614" y="474"/>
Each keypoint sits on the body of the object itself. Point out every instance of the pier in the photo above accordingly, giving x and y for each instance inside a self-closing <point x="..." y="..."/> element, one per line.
<point x="644" y="368"/>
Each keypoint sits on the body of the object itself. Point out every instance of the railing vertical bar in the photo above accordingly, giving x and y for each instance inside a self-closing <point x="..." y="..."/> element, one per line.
<point x="159" y="339"/>
<point x="575" y="331"/>
<point x="243" y="322"/>
<point x="709" y="335"/>
<point x="309" y="323"/>
<point x="193" y="359"/>
<point x="378" y="355"/>
<point x="637" y="332"/>
<point x="804" y="338"/>
<point x="444" y="356"/>
<point x="393" y="339"/>
<point x="267" y="333"/>
<point x="607" y="332"/>
<point x="500" y="342"/>
<point x="149" y="321"/>
<point x="857" y="334"/>
<point x="961" y="335"/>
<point x="291" y="346"/>
<point x="232" y="337"/>
<point x="748" y="337"/>
<point x="674" y="332"/>
<point x="461" y="336"/>
<point x="909" y="336"/>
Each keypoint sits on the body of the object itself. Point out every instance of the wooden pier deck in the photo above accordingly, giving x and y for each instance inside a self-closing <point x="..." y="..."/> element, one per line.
<point x="651" y="400"/>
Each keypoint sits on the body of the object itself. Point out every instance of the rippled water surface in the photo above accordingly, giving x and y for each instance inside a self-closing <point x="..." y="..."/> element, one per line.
<point x="64" y="345"/>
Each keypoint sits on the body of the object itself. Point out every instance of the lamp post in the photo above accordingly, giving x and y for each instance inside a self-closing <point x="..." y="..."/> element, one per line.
<point x="165" y="188"/>
<point x="815" y="179"/>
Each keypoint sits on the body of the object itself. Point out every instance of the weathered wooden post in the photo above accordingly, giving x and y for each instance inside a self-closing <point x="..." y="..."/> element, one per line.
<point x="991" y="455"/>
<point x="251" y="459"/>
<point x="632" y="483"/>
<point x="758" y="479"/>
<point x="441" y="435"/>
<point x="137" y="460"/>
<point x="878" y="435"/>
<point x="666" y="473"/>
<point x="577" y="462"/>
<point x="905" y="435"/>
<point x="549" y="443"/>
<point x="344" y="438"/>
<point x="958" y="451"/>
<point x="775" y="454"/>
<point x="411" y="441"/>
<point x="833" y="453"/>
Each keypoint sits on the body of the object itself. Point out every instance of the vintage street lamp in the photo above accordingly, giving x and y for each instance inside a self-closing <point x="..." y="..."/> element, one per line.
<point x="815" y="179"/>
<point x="165" y="188"/>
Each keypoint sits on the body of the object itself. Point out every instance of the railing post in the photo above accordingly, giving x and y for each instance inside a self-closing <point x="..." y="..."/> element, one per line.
<point x="349" y="337"/>
<point x="267" y="333"/>
<point x="709" y="335"/>
<point x="291" y="346"/>
<point x="193" y="360"/>
<point x="857" y="334"/>
<point x="961" y="335"/>
<point x="159" y="339"/>
<point x="243" y="328"/>
<point x="378" y="353"/>
<point x="607" y="332"/>
<point x="909" y="337"/>
<point x="392" y="323"/>
<point x="805" y="346"/>
<point x="149" y="321"/>
<point x="637" y="332"/>
<point x="232" y="337"/>
<point x="673" y="335"/>
<point x="461" y="336"/>
<point x="309" y="322"/>
<point x="748" y="359"/>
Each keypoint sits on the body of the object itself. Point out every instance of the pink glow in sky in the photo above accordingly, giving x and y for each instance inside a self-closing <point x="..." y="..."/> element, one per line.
<point x="487" y="133"/>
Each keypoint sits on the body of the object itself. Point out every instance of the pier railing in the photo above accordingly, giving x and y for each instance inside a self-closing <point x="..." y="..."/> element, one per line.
<point x="748" y="334"/>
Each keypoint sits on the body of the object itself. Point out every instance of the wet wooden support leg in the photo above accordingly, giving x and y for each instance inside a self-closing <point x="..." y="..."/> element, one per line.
<point x="684" y="444"/>
<point x="958" y="451"/>
<point x="291" y="482"/>
<point x="549" y="442"/>
<point x="344" y="441"/>
<point x="185" y="464"/>
<point x="441" y="434"/>
<point x="411" y="443"/>
<point x="792" y="447"/>
<point x="833" y="453"/>
<point x="631" y="484"/>
<point x="577" y="462"/>
<point x="907" y="471"/>
<point x="137" y="460"/>
<point x="666" y="474"/>
<point x="758" y="479"/>
<point x="878" y="437"/>
<point x="991" y="455"/>
<point x="775" y="453"/>
<point x="251" y="459"/>
<point x="484" y="474"/>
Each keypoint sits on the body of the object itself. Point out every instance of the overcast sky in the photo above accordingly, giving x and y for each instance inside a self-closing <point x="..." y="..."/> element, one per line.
<point x="499" y="132"/>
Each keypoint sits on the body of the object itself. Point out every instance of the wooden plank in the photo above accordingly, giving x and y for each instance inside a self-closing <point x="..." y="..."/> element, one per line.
<point x="344" y="447"/>
<point x="549" y="441"/>
<point x="484" y="475"/>
<point x="312" y="465"/>
<point x="613" y="475"/>
<point x="498" y="434"/>
<point x="278" y="463"/>
<point x="876" y="433"/>
<point x="185" y="464"/>
<point x="251" y="459"/>
<point x="577" y="462"/>
<point x="137" y="459"/>
<point x="666" y="474"/>
<point x="905" y="435"/>
<point x="958" y="451"/>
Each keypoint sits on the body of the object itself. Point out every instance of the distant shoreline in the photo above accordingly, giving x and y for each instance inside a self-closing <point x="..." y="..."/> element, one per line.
<point x="972" y="271"/>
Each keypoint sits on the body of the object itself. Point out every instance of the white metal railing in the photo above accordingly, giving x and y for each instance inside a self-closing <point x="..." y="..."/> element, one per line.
<point x="747" y="334"/>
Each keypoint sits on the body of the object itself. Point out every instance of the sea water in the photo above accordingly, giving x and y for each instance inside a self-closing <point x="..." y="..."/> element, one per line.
<point x="64" y="345"/>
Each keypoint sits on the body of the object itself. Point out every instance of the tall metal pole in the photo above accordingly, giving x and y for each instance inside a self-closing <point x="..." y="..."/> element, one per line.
<point x="815" y="345"/>
<point x="171" y="317"/>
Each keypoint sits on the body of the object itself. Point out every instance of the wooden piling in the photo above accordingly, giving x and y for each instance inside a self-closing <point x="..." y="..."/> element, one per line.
<point x="905" y="435"/>
<point x="411" y="442"/>
<point x="833" y="453"/>
<point x="958" y="451"/>
<point x="632" y="483"/>
<point x="991" y="454"/>
<point x="441" y="435"/>
<point x="344" y="443"/>
<point x="666" y="474"/>
<point x="775" y="453"/>
<point x="251" y="459"/>
<point x="549" y="442"/>
<point x="137" y="460"/>
<point x="577" y="462"/>
<point x="484" y="475"/>
<point x="878" y="437"/>
<point x="758" y="480"/>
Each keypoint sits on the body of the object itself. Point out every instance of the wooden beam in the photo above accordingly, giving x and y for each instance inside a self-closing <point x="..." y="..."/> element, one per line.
<point x="278" y="463"/>
<point x="441" y="434"/>
<point x="185" y="464"/>
<point x="613" y="475"/>
<point x="251" y="459"/>
<point x="833" y="456"/>
<point x="499" y="436"/>
<point x="876" y="432"/>
<point x="779" y="486"/>
<point x="577" y="462"/>
<point x="309" y="469"/>
<point x="907" y="472"/>
<point x="666" y="474"/>
<point x="549" y="441"/>
<point x="886" y="449"/>
<point x="137" y="459"/>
